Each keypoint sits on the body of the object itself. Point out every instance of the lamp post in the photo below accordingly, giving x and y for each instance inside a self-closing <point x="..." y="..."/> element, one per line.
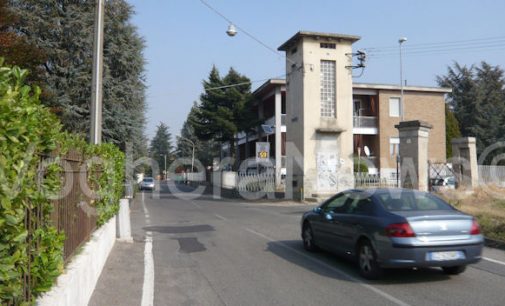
<point x="96" y="87"/>
<point x="400" y="42"/>
<point x="193" y="155"/>
<point x="165" y="173"/>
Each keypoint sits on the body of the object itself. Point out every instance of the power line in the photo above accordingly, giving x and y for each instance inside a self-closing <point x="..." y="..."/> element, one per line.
<point x="442" y="51"/>
<point x="243" y="83"/>
<point x="439" y="53"/>
<point x="241" y="29"/>
<point x="439" y="44"/>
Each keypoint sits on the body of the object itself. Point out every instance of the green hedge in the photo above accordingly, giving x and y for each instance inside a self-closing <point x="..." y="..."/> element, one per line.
<point x="29" y="131"/>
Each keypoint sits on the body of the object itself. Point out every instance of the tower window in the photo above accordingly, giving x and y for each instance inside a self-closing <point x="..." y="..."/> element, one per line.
<point x="328" y="89"/>
<point x="328" y="45"/>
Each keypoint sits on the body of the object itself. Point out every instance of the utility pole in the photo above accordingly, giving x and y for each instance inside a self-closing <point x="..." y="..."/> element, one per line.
<point x="96" y="87"/>
<point x="402" y="105"/>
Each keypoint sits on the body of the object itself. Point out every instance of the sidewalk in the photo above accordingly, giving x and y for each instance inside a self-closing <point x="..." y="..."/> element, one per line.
<point x="122" y="278"/>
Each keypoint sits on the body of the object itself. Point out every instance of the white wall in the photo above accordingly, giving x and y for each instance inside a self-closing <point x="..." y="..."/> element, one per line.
<point x="76" y="285"/>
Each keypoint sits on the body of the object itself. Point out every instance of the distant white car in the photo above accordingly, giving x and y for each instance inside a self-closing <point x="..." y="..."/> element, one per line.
<point x="441" y="184"/>
<point x="147" y="184"/>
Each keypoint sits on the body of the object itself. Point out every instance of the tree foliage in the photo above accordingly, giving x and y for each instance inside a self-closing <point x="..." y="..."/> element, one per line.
<point x="224" y="108"/>
<point x="451" y="129"/>
<point x="478" y="101"/>
<point x="15" y="49"/>
<point x="161" y="145"/>
<point x="63" y="30"/>
<point x="29" y="131"/>
<point x="205" y="150"/>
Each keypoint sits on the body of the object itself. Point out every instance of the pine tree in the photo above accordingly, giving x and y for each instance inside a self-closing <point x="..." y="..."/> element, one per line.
<point x="478" y="102"/>
<point x="161" y="145"/>
<point x="205" y="150"/>
<point x="451" y="129"/>
<point x="224" y="108"/>
<point x="63" y="29"/>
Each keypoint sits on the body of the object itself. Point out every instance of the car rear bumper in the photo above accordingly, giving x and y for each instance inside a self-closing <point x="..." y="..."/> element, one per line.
<point x="402" y="256"/>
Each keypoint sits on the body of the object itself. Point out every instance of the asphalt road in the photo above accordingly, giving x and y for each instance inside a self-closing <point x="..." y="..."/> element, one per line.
<point x="221" y="252"/>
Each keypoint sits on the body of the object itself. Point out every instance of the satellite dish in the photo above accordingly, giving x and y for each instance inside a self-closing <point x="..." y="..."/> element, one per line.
<point x="367" y="151"/>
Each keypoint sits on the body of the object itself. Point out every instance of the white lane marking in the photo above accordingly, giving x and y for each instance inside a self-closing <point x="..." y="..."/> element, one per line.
<point x="494" y="261"/>
<point x="220" y="217"/>
<point x="148" y="286"/>
<point x="330" y="267"/>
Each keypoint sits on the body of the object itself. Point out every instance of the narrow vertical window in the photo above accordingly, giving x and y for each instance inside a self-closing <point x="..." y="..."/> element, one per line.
<point x="328" y="89"/>
<point x="394" y="107"/>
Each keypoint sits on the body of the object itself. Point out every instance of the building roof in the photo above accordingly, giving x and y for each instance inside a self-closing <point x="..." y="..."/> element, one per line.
<point x="268" y="86"/>
<point x="317" y="35"/>
<point x="398" y="87"/>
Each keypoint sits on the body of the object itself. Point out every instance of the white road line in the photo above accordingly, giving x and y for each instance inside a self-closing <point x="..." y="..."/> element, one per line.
<point x="220" y="217"/>
<point x="148" y="286"/>
<point x="330" y="267"/>
<point x="494" y="261"/>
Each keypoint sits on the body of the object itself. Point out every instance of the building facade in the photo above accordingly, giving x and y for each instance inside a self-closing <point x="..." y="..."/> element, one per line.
<point x="326" y="120"/>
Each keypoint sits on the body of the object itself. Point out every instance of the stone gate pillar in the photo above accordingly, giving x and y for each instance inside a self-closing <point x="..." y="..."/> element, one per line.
<point x="466" y="171"/>
<point x="414" y="137"/>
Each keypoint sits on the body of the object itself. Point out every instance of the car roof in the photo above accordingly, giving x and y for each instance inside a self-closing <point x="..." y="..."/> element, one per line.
<point x="381" y="191"/>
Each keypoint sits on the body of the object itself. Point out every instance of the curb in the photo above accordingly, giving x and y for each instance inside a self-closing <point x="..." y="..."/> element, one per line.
<point x="495" y="244"/>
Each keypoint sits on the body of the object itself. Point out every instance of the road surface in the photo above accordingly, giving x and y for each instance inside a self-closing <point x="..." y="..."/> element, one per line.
<point x="209" y="251"/>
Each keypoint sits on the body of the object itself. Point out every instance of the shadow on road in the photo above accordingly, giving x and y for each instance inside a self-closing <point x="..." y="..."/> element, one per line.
<point x="332" y="266"/>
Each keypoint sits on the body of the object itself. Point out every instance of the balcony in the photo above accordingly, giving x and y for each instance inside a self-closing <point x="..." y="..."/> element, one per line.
<point x="366" y="125"/>
<point x="271" y="121"/>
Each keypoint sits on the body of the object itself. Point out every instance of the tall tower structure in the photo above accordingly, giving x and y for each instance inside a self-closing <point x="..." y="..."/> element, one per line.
<point x="319" y="140"/>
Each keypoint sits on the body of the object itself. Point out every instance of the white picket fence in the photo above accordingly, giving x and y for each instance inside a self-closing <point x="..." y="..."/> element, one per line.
<point x="492" y="175"/>
<point x="256" y="182"/>
<point x="373" y="181"/>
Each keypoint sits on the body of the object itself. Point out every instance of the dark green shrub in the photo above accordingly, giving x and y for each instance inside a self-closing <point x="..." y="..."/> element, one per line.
<point x="28" y="133"/>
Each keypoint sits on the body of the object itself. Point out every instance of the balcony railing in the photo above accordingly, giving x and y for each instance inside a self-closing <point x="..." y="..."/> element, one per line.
<point x="271" y="120"/>
<point x="365" y="122"/>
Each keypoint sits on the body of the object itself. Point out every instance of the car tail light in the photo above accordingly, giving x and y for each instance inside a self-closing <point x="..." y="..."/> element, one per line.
<point x="400" y="230"/>
<point x="475" y="229"/>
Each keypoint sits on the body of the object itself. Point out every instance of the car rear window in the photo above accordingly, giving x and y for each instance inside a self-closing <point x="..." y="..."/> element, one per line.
<point x="412" y="201"/>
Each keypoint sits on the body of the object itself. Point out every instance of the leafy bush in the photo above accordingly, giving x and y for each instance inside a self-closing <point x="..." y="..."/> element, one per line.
<point x="29" y="243"/>
<point x="360" y="165"/>
<point x="27" y="131"/>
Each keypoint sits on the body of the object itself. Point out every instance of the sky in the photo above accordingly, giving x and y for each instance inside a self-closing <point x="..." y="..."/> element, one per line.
<point x="184" y="39"/>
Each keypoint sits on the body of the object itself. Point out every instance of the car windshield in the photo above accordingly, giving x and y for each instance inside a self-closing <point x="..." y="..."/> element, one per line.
<point x="411" y="201"/>
<point x="148" y="180"/>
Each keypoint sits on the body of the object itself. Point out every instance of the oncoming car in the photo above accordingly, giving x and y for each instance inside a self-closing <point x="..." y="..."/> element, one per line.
<point x="393" y="228"/>
<point x="147" y="184"/>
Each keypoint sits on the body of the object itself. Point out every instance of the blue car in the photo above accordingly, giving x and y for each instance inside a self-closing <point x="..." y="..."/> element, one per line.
<point x="393" y="228"/>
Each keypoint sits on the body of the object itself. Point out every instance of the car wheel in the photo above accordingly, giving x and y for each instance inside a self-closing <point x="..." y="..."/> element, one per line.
<point x="308" y="238"/>
<point x="454" y="270"/>
<point x="367" y="259"/>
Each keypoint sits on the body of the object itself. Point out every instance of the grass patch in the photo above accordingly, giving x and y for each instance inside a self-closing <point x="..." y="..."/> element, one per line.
<point x="487" y="205"/>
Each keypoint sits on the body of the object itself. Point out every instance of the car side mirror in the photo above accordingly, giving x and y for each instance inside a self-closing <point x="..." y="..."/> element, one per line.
<point x="317" y="210"/>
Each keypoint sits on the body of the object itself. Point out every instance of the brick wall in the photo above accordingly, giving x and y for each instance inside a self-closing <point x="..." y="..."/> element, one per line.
<point x="425" y="106"/>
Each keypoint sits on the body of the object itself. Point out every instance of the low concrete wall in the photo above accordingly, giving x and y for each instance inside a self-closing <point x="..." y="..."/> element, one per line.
<point x="229" y="179"/>
<point x="75" y="286"/>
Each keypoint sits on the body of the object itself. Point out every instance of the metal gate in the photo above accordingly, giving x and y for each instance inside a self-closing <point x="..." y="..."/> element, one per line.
<point x="441" y="176"/>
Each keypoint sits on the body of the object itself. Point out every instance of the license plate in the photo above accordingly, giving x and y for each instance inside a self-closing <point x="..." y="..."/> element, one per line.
<point x="443" y="256"/>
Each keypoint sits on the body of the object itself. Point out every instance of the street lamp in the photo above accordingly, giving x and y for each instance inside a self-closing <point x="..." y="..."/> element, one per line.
<point x="193" y="156"/>
<point x="402" y="107"/>
<point x="96" y="86"/>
